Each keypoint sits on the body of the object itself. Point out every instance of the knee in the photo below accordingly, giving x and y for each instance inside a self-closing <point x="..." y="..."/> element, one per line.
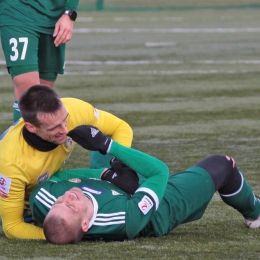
<point x="216" y="163"/>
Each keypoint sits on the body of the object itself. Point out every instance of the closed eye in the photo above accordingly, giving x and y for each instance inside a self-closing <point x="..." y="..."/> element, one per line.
<point x="72" y="208"/>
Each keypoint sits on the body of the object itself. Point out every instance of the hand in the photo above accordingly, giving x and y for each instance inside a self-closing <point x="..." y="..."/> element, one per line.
<point x="122" y="176"/>
<point x="63" y="30"/>
<point x="90" y="138"/>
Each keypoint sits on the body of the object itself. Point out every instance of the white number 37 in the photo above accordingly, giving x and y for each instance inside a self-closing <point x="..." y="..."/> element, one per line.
<point x="14" y="43"/>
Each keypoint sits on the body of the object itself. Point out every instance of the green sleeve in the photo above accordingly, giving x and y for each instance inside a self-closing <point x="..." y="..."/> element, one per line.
<point x="156" y="171"/>
<point x="72" y="5"/>
<point x="76" y="173"/>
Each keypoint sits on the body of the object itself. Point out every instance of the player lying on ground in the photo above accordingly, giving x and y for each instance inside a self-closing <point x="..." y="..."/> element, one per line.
<point x="92" y="209"/>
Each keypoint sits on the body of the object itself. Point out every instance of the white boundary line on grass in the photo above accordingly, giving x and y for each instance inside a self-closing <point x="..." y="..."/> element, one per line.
<point x="151" y="72"/>
<point x="130" y="19"/>
<point x="168" y="30"/>
<point x="150" y="62"/>
<point x="157" y="72"/>
<point x="159" y="44"/>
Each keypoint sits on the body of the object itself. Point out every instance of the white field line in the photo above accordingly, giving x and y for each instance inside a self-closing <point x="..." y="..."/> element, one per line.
<point x="127" y="62"/>
<point x="159" y="44"/>
<point x="169" y="30"/>
<point x="157" y="72"/>
<point x="151" y="62"/>
<point x="151" y="72"/>
<point x="130" y="19"/>
<point x="147" y="62"/>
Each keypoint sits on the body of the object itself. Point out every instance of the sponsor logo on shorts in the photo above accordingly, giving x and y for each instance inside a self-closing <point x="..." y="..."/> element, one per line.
<point x="42" y="178"/>
<point x="5" y="184"/>
<point x="91" y="190"/>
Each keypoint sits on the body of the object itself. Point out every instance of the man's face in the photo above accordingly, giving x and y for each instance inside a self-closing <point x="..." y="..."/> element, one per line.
<point x="53" y="127"/>
<point x="73" y="204"/>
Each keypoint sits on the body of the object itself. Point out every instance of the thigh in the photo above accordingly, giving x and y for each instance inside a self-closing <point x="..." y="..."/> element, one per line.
<point x="51" y="58"/>
<point x="185" y="199"/>
<point x="20" y="46"/>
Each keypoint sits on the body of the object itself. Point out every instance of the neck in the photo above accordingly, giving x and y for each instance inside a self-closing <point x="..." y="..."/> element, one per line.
<point x="37" y="142"/>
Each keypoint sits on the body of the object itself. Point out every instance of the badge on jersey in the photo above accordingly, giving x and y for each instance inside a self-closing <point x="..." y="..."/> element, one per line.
<point x="5" y="184"/>
<point x="42" y="178"/>
<point x="75" y="180"/>
<point x="145" y="204"/>
<point x="68" y="143"/>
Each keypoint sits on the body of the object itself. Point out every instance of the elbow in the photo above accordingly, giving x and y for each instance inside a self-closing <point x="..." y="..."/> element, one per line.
<point x="8" y="234"/>
<point x="165" y="171"/>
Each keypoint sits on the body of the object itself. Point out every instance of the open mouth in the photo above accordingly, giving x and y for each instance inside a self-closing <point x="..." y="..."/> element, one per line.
<point x="60" y="136"/>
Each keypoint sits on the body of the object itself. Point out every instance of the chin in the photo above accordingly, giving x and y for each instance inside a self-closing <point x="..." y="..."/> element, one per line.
<point x="59" y="142"/>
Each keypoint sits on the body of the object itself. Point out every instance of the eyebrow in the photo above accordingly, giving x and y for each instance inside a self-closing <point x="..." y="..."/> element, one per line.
<point x="72" y="208"/>
<point x="66" y="206"/>
<point x="50" y="129"/>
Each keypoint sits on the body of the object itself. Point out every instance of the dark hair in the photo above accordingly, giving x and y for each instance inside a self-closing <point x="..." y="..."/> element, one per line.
<point x="38" y="99"/>
<point x="59" y="231"/>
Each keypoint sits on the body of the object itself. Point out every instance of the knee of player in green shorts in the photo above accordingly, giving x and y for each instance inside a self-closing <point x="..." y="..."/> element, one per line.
<point x="18" y="70"/>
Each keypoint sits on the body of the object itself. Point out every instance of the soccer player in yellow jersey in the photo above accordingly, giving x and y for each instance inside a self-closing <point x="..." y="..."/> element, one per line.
<point x="37" y="146"/>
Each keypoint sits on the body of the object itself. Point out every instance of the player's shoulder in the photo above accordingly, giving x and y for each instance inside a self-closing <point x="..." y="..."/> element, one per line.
<point x="12" y="135"/>
<point x="74" y="103"/>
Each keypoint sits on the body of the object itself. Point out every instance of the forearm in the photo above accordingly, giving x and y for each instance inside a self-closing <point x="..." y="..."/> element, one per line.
<point x="14" y="227"/>
<point x="24" y="231"/>
<point x="156" y="171"/>
<point x="71" y="5"/>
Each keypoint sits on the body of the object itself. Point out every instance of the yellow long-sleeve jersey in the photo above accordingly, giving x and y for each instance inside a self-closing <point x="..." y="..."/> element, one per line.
<point x="22" y="167"/>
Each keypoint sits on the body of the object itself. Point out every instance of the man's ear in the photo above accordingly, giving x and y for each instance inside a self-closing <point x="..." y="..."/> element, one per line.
<point x="31" y="128"/>
<point x="84" y="225"/>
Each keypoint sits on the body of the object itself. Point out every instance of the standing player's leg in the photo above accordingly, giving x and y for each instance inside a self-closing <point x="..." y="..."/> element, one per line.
<point x="21" y="82"/>
<point x="20" y="48"/>
<point x="51" y="59"/>
<point x="232" y="187"/>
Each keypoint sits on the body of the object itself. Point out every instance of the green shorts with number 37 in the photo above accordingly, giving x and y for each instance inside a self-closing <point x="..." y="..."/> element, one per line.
<point x="27" y="50"/>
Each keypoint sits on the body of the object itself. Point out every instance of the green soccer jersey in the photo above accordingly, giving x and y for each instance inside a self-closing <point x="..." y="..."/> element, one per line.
<point x="153" y="210"/>
<point x="37" y="15"/>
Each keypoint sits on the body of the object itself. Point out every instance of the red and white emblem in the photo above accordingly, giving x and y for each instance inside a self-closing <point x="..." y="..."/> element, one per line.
<point x="5" y="184"/>
<point x="145" y="204"/>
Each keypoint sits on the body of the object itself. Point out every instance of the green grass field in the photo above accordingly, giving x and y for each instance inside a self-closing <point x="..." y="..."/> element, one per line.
<point x="188" y="84"/>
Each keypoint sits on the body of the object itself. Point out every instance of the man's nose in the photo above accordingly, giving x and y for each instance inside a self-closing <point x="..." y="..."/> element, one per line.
<point x="68" y="196"/>
<point x="63" y="129"/>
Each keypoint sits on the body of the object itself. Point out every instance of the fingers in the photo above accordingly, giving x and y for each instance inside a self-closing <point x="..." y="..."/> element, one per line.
<point x="63" y="30"/>
<point x="62" y="37"/>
